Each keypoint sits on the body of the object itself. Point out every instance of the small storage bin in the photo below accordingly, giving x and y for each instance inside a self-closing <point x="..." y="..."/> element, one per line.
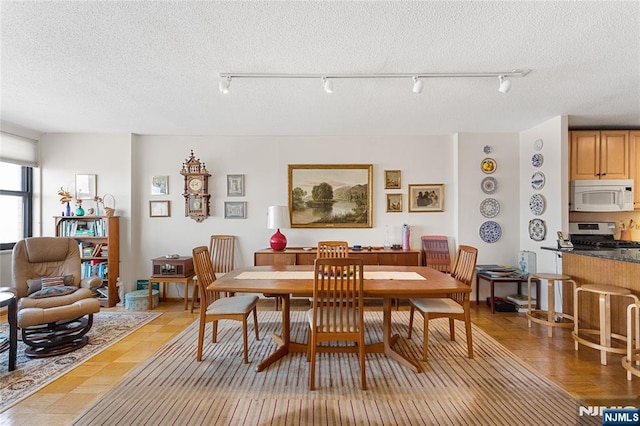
<point x="139" y="300"/>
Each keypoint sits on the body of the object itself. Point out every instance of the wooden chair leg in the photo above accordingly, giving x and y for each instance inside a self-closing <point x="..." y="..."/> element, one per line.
<point x="452" y="328"/>
<point x="255" y="322"/>
<point x="214" y="333"/>
<point x="200" y="339"/>
<point x="425" y="337"/>
<point x="245" y="340"/>
<point x="410" y="322"/>
<point x="363" y="376"/>
<point x="467" y="325"/>
<point x="312" y="367"/>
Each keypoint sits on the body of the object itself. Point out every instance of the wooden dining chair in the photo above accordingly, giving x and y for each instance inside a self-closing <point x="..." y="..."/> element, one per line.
<point x="222" y="250"/>
<point x="435" y="252"/>
<point x="213" y="308"/>
<point x="455" y="306"/>
<point x="337" y="309"/>
<point x="332" y="249"/>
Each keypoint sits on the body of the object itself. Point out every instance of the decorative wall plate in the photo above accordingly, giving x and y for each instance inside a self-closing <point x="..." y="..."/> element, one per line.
<point x="537" y="229"/>
<point x="538" y="180"/>
<point x="489" y="185"/>
<point x="537" y="204"/>
<point x="488" y="165"/>
<point x="537" y="145"/>
<point x="537" y="160"/>
<point x="490" y="232"/>
<point x="490" y="207"/>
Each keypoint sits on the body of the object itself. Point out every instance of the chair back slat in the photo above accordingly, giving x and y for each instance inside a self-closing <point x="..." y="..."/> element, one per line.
<point x="206" y="274"/>
<point x="332" y="249"/>
<point x="465" y="264"/>
<point x="337" y="295"/>
<point x="435" y="252"/>
<point x="222" y="248"/>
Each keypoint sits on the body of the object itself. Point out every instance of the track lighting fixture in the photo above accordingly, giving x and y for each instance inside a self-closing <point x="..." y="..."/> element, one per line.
<point x="224" y="85"/>
<point x="417" y="85"/>
<point x="505" y="84"/>
<point x="327" y="85"/>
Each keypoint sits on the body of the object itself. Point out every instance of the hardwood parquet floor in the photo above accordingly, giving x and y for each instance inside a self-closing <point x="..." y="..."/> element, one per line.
<point x="578" y="372"/>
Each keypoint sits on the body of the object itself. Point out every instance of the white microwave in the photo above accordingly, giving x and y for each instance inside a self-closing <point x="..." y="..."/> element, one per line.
<point x="605" y="195"/>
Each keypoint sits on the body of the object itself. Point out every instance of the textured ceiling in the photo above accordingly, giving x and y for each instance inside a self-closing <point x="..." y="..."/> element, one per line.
<point x="152" y="68"/>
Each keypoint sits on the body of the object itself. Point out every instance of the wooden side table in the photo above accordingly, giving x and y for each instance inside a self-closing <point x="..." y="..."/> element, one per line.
<point x="165" y="280"/>
<point x="500" y="280"/>
<point x="9" y="300"/>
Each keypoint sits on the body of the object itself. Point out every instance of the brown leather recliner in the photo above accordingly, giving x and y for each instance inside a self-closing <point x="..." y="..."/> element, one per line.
<point x="52" y="320"/>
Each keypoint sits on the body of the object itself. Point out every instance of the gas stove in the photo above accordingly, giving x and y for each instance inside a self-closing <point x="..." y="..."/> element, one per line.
<point x="597" y="236"/>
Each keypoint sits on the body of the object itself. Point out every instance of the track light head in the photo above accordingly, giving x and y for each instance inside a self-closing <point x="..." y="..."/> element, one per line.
<point x="505" y="84"/>
<point x="224" y="85"/>
<point x="327" y="85"/>
<point x="417" y="85"/>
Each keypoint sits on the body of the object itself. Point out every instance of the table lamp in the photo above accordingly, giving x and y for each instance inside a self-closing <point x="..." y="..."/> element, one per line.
<point x="278" y="217"/>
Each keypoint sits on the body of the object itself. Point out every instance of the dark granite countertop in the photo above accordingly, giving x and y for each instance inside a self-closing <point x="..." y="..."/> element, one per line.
<point x="622" y="255"/>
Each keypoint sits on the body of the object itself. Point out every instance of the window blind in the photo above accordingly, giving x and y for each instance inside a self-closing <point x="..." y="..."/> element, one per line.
<point x="18" y="150"/>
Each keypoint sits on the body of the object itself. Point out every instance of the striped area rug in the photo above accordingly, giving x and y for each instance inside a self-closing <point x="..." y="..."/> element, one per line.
<point x="493" y="388"/>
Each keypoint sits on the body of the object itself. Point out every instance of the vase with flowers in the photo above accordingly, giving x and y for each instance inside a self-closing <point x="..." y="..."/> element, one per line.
<point x="65" y="198"/>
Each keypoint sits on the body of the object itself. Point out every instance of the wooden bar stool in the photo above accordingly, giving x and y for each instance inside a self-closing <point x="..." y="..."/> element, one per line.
<point x="550" y="317"/>
<point x="604" y="343"/>
<point x="631" y="362"/>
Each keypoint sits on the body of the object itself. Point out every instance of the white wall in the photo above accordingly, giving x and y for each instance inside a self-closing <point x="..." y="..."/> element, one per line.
<point x="107" y="156"/>
<point x="124" y="165"/>
<point x="555" y="151"/>
<point x="470" y="153"/>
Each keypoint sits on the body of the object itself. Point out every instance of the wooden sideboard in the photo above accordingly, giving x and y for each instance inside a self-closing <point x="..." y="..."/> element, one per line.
<point x="300" y="256"/>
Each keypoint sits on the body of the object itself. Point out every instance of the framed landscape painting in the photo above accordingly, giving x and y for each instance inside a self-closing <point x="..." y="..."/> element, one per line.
<point x="330" y="196"/>
<point x="426" y="197"/>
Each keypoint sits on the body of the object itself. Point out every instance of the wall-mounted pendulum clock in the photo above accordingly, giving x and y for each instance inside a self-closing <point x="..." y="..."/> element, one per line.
<point x="196" y="188"/>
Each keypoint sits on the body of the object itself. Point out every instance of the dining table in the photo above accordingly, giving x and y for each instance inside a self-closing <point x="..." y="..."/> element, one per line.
<point x="380" y="281"/>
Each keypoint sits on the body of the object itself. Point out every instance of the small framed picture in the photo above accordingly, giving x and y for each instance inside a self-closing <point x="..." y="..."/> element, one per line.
<point x="394" y="203"/>
<point x="159" y="208"/>
<point x="392" y="179"/>
<point x="426" y="197"/>
<point x="235" y="185"/>
<point x="85" y="187"/>
<point x="235" y="209"/>
<point x="160" y="185"/>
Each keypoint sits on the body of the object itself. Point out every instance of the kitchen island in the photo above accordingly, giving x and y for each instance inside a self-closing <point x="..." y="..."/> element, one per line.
<point x="615" y="267"/>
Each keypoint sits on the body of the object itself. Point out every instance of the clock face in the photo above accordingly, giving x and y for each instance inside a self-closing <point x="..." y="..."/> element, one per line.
<point x="195" y="184"/>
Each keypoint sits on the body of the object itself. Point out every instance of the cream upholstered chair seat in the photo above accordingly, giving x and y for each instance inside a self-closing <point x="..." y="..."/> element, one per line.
<point x="232" y="305"/>
<point x="445" y="306"/>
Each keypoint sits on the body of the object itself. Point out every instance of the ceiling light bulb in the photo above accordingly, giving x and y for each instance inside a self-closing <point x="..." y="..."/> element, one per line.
<point x="417" y="85"/>
<point x="327" y="85"/>
<point x="505" y="84"/>
<point x="224" y="85"/>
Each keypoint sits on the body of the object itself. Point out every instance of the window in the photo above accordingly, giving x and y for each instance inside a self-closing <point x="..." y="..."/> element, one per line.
<point x="16" y="204"/>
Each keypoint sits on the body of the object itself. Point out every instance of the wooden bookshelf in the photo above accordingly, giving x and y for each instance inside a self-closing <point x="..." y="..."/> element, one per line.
<point x="98" y="240"/>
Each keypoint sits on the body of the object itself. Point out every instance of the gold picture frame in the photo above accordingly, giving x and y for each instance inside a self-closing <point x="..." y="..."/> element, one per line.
<point x="392" y="179"/>
<point x="394" y="203"/>
<point x="426" y="197"/>
<point x="330" y="195"/>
